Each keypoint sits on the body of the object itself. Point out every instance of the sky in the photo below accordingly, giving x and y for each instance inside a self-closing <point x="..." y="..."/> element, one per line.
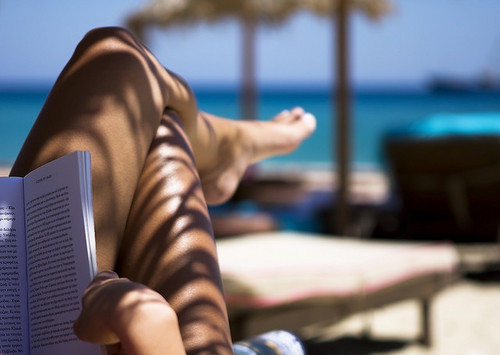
<point x="419" y="39"/>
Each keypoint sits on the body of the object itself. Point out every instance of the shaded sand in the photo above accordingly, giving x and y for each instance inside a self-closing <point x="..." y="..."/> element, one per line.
<point x="365" y="185"/>
<point x="466" y="321"/>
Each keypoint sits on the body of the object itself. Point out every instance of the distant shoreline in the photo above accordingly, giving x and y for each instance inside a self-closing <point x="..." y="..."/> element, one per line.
<point x="264" y="88"/>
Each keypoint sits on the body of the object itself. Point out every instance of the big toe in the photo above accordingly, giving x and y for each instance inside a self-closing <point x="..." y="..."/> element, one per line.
<point x="308" y="121"/>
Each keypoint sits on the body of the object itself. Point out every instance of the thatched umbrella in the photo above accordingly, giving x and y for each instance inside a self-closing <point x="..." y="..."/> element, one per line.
<point x="169" y="13"/>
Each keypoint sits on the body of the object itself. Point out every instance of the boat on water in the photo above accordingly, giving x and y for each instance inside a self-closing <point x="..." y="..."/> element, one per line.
<point x="445" y="84"/>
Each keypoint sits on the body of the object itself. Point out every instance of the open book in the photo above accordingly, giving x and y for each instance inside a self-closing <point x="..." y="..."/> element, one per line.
<point x="47" y="257"/>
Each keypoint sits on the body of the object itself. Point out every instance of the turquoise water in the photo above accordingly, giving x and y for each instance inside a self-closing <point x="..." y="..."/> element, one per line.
<point x="373" y="114"/>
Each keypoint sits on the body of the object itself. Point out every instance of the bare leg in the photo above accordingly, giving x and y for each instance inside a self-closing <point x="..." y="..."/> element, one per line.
<point x="111" y="99"/>
<point x="175" y="254"/>
<point x="108" y="100"/>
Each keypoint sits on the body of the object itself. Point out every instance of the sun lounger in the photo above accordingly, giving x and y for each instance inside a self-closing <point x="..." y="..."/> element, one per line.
<point x="446" y="170"/>
<point x="283" y="274"/>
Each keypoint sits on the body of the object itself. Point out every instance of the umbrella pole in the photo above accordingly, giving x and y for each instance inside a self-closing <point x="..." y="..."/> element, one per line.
<point x="248" y="85"/>
<point x="342" y="115"/>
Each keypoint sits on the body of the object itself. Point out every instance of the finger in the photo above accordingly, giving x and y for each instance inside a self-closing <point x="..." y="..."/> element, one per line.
<point x="101" y="278"/>
<point x="106" y="275"/>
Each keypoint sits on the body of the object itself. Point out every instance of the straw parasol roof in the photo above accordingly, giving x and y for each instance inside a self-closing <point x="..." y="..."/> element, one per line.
<point x="170" y="13"/>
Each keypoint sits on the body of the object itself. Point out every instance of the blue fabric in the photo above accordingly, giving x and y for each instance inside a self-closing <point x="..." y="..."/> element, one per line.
<point x="445" y="125"/>
<point x="276" y="342"/>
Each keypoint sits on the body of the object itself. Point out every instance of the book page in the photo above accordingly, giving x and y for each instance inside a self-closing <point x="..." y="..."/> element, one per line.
<point x="61" y="252"/>
<point x="14" y="336"/>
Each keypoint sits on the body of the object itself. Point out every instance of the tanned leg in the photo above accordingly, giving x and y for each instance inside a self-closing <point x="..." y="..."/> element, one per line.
<point x="139" y="121"/>
<point x="108" y="100"/>
<point x="176" y="254"/>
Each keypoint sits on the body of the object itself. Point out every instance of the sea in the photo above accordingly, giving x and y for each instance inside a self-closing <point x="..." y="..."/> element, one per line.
<point x="374" y="112"/>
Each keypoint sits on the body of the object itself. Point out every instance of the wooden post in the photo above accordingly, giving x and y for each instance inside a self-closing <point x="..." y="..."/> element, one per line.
<point x="342" y="115"/>
<point x="248" y="80"/>
<point x="426" y="336"/>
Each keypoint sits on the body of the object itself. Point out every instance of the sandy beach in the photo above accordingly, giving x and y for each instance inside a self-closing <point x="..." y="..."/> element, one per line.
<point x="465" y="316"/>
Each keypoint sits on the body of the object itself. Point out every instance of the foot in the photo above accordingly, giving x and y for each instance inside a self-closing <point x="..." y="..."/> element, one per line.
<point x="249" y="142"/>
<point x="281" y="135"/>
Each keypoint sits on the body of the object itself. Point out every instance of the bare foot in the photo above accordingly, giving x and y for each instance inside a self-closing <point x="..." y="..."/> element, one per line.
<point x="249" y="142"/>
<point x="281" y="135"/>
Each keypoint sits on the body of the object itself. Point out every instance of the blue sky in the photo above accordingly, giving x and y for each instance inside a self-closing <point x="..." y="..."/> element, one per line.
<point x="418" y="40"/>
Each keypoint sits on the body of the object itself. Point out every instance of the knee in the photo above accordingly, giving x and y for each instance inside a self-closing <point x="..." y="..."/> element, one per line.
<point x="108" y="39"/>
<point x="108" y="33"/>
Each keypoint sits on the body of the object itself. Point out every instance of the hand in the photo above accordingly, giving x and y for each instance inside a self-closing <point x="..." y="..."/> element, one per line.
<point x="117" y="310"/>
